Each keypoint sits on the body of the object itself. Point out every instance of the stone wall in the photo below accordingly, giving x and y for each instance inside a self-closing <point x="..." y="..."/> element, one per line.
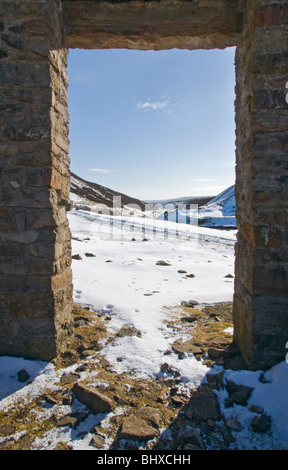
<point x="35" y="253"/>
<point x="261" y="287"/>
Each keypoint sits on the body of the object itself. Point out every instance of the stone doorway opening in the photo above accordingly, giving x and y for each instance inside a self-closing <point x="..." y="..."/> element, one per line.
<point x="99" y="261"/>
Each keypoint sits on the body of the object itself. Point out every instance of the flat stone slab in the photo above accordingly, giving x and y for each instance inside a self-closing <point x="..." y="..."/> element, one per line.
<point x="187" y="347"/>
<point x="137" y="429"/>
<point x="95" y="401"/>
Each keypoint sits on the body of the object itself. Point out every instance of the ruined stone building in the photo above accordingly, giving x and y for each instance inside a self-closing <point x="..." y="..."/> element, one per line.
<point x="36" y="290"/>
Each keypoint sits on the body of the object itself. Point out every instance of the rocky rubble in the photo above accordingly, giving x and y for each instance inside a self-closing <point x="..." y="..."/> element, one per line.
<point x="131" y="413"/>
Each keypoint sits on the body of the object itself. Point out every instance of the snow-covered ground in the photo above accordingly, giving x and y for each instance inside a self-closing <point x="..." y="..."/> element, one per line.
<point x="123" y="280"/>
<point x="220" y="211"/>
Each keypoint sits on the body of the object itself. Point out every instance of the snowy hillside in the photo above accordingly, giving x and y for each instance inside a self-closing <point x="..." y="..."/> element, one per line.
<point x="220" y="211"/>
<point x="85" y="194"/>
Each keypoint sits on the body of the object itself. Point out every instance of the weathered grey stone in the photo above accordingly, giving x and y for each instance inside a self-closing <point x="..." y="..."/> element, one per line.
<point x="128" y="330"/>
<point x="193" y="439"/>
<point x="238" y="394"/>
<point x="233" y="424"/>
<point x="97" y="441"/>
<point x="70" y="378"/>
<point x="203" y="406"/>
<point x="187" y="347"/>
<point x="72" y="420"/>
<point x="261" y="423"/>
<point x="137" y="429"/>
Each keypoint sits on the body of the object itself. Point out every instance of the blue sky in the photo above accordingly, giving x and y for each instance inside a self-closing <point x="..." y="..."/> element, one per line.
<point x="153" y="125"/>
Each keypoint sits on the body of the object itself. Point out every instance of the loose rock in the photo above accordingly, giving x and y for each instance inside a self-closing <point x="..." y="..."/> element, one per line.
<point x="238" y="394"/>
<point x="190" y="303"/>
<point x="77" y="257"/>
<point x="70" y="378"/>
<point x="137" y="429"/>
<point x="261" y="423"/>
<point x="97" y="441"/>
<point x="128" y="330"/>
<point x="203" y="406"/>
<point x="162" y="263"/>
<point x="187" y="347"/>
<point x="233" y="424"/>
<point x="94" y="400"/>
<point x="23" y="376"/>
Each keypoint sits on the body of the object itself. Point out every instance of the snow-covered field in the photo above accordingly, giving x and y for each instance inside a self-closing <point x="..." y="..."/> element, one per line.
<point x="123" y="280"/>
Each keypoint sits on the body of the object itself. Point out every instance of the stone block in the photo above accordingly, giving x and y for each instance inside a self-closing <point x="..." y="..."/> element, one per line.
<point x="271" y="15"/>
<point x="95" y="401"/>
<point x="32" y="305"/>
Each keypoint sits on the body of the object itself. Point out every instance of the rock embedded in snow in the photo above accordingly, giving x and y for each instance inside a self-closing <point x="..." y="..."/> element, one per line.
<point x="233" y="424"/>
<point x="69" y="378"/>
<point x="128" y="330"/>
<point x="23" y="376"/>
<point x="162" y="263"/>
<point x="190" y="303"/>
<point x="166" y="368"/>
<point x="77" y="257"/>
<point x="238" y="394"/>
<point x="72" y="420"/>
<point x="256" y="409"/>
<point x="261" y="423"/>
<point x="216" y="379"/>
<point x="203" y="405"/>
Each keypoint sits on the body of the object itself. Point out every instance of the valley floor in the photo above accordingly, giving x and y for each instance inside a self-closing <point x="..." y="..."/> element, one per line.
<point x="155" y="302"/>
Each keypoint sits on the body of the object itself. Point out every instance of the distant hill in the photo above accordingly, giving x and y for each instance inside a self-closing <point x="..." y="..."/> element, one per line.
<point x="220" y="211"/>
<point x="183" y="201"/>
<point x="95" y="193"/>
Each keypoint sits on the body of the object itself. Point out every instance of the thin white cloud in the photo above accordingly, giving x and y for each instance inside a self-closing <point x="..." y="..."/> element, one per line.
<point x="153" y="105"/>
<point x="100" y="170"/>
<point x="204" y="180"/>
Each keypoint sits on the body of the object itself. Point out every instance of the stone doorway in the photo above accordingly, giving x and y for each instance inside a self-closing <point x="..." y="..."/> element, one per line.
<point x="35" y="240"/>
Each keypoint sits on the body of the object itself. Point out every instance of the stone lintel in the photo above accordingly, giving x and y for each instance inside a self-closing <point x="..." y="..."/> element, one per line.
<point x="157" y="25"/>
